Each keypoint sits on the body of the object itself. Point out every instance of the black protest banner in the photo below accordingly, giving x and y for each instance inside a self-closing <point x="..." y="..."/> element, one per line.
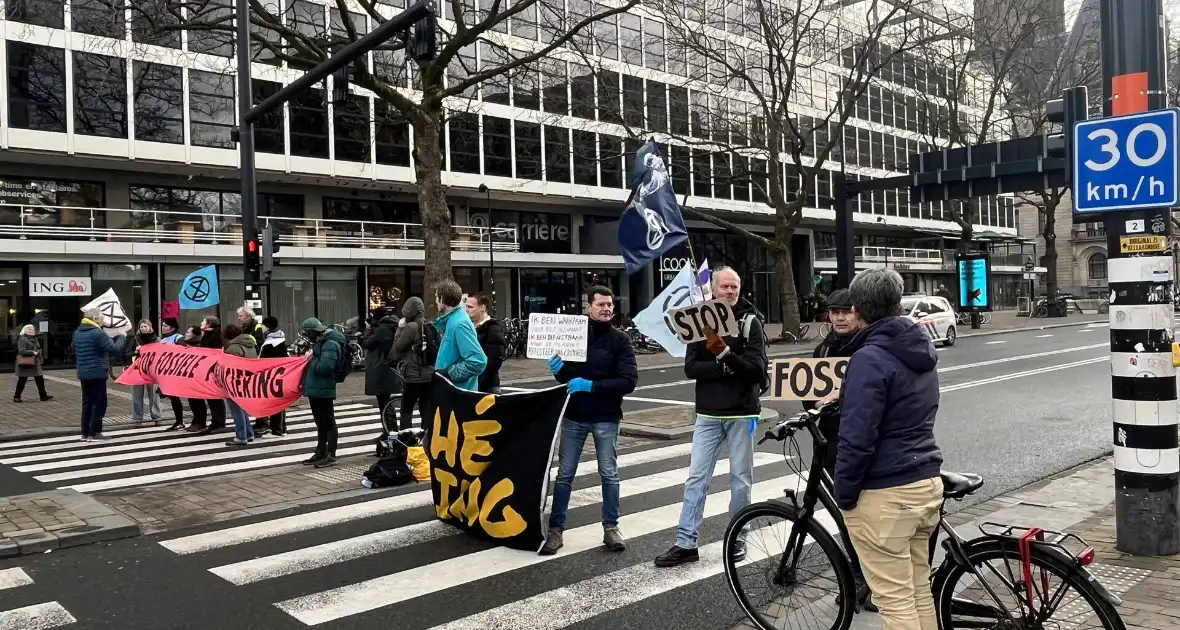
<point x="806" y="379"/>
<point x="490" y="457"/>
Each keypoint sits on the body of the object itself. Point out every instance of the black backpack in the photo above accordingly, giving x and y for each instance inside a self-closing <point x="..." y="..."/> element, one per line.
<point x="390" y="471"/>
<point x="744" y="326"/>
<point x="427" y="346"/>
<point x="343" y="365"/>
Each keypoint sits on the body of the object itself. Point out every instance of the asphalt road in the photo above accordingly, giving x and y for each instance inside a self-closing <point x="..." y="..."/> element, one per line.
<point x="1015" y="408"/>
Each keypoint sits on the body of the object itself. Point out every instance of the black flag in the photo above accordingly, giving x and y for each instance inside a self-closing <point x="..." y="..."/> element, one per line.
<point x="490" y="457"/>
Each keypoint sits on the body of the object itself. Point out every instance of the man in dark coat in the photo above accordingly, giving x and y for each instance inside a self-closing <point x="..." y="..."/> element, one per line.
<point x="93" y="349"/>
<point x="595" y="407"/>
<point x="490" y="332"/>
<point x="381" y="380"/>
<point x="211" y="338"/>
<point x="274" y="346"/>
<point x="888" y="483"/>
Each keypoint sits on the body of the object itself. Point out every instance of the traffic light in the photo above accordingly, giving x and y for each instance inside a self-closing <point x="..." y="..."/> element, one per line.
<point x="270" y="247"/>
<point x="422" y="43"/>
<point x="1072" y="107"/>
<point x="253" y="260"/>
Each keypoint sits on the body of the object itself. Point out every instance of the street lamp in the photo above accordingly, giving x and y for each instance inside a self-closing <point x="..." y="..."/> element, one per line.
<point x="483" y="188"/>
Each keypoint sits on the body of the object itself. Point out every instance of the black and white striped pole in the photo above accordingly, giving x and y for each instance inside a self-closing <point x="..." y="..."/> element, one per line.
<point x="1139" y="275"/>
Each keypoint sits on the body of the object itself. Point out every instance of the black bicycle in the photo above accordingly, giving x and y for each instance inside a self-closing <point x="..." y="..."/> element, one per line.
<point x="808" y="574"/>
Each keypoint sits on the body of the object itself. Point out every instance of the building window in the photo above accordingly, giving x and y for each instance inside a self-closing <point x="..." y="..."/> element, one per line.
<point x="633" y="101"/>
<point x="211" y="109"/>
<point x="149" y="19"/>
<point x="393" y="135"/>
<point x="465" y="144"/>
<point x="1097" y="266"/>
<point x="309" y="124"/>
<point x="497" y="146"/>
<point x="100" y="95"/>
<point x="631" y="38"/>
<point x="557" y="154"/>
<point x="159" y="103"/>
<point x="525" y="93"/>
<point x="98" y="17"/>
<point x="36" y="87"/>
<point x="495" y="89"/>
<point x="582" y="91"/>
<point x="207" y="210"/>
<point x="351" y="128"/>
<point x="268" y="131"/>
<point x="528" y="150"/>
<point x="48" y="13"/>
<point x="653" y="40"/>
<point x="212" y="42"/>
<point x="585" y="158"/>
<point x="610" y="148"/>
<point x="657" y="106"/>
<point x="553" y="87"/>
<point x="608" y="97"/>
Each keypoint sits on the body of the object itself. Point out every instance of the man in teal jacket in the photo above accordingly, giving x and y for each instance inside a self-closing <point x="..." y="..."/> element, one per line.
<point x="319" y="385"/>
<point x="460" y="358"/>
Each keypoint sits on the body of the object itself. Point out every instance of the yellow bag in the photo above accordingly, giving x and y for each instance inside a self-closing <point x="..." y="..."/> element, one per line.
<point x="418" y="462"/>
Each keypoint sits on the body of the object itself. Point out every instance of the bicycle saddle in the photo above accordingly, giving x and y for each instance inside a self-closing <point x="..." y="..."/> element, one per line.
<point x="958" y="485"/>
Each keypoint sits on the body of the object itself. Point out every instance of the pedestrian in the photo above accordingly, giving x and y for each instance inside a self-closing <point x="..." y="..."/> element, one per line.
<point x="93" y="350"/>
<point x="250" y="325"/>
<point x="412" y="357"/>
<point x="274" y="346"/>
<point x="28" y="363"/>
<point x="491" y="340"/>
<point x="729" y="375"/>
<point x="144" y="336"/>
<point x="199" y="407"/>
<point x="460" y="358"/>
<point x="170" y="333"/>
<point x="381" y="380"/>
<point x="595" y="407"/>
<point x="240" y="344"/>
<point x="319" y="385"/>
<point x="888" y="482"/>
<point x="211" y="337"/>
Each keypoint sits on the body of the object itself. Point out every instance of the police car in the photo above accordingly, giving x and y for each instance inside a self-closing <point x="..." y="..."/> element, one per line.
<point x="934" y="314"/>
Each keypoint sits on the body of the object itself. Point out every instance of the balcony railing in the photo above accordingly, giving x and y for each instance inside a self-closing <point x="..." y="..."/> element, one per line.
<point x="893" y="254"/>
<point x="1090" y="234"/>
<point x="163" y="226"/>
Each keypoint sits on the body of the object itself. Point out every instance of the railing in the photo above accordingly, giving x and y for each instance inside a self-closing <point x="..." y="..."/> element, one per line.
<point x="167" y="226"/>
<point x="1098" y="233"/>
<point x="893" y="254"/>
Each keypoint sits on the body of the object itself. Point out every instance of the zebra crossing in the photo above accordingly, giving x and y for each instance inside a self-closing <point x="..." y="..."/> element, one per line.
<point x="38" y="616"/>
<point x="359" y="564"/>
<point x="150" y="455"/>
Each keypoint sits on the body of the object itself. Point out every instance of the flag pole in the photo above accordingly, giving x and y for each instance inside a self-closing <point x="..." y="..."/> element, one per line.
<point x="696" y="278"/>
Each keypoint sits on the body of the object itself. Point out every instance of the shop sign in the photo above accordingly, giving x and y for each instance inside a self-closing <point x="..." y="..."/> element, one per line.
<point x="1142" y="244"/>
<point x="59" y="287"/>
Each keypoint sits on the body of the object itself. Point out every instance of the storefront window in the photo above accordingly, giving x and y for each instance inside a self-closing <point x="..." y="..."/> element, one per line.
<point x="503" y="294"/>
<point x="336" y="294"/>
<point x="292" y="297"/>
<point x="468" y="279"/>
<point x="544" y="291"/>
<point x="12" y="306"/>
<point x="387" y="289"/>
<point x="611" y="279"/>
<point x="59" y="315"/>
<point x="49" y="193"/>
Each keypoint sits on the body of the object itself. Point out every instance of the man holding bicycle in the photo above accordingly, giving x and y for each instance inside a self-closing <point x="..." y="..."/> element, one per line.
<point x="887" y="479"/>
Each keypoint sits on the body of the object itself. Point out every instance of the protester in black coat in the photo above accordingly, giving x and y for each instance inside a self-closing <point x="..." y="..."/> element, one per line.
<point x="274" y="346"/>
<point x="490" y="332"/>
<point x="211" y="338"/>
<point x="380" y="378"/>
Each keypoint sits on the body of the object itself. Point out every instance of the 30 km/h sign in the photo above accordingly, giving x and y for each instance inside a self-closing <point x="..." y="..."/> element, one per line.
<point x="1126" y="162"/>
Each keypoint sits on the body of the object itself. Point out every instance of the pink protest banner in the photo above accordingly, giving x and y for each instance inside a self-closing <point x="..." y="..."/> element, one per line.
<point x="262" y="387"/>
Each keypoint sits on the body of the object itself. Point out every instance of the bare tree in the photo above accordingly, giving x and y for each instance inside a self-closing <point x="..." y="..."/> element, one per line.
<point x="482" y="45"/>
<point x="763" y="114"/>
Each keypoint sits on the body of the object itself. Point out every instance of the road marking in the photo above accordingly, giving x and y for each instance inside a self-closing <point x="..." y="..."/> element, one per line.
<point x="1086" y="330"/>
<point x="387" y="590"/>
<point x="1007" y="377"/>
<point x="1034" y="355"/>
<point x="1043" y="336"/>
<point x="343" y="514"/>
<point x="12" y="578"/>
<point x="318" y="556"/>
<point x="992" y="343"/>
<point x="36" y="617"/>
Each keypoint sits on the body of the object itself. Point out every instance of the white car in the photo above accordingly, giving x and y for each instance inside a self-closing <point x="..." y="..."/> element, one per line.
<point x="933" y="312"/>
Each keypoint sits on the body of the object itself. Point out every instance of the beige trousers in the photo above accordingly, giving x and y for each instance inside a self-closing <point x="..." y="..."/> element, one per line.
<point x="890" y="530"/>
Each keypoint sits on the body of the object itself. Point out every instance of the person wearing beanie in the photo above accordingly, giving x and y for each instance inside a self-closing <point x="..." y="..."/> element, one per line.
<point x="319" y="385"/>
<point x="274" y="346"/>
<point x="170" y="333"/>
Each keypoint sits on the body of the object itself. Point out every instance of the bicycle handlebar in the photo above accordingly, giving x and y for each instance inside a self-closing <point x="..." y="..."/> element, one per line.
<point x="804" y="420"/>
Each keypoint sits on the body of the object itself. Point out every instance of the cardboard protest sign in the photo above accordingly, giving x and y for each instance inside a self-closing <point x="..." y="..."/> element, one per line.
<point x="689" y="323"/>
<point x="263" y="387"/>
<point x="806" y="379"/>
<point x="489" y="461"/>
<point x="563" y="335"/>
<point x="112" y="318"/>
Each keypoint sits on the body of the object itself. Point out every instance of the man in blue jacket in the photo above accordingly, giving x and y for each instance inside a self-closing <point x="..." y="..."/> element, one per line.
<point x="595" y="407"/>
<point x="460" y="357"/>
<point x="93" y="350"/>
<point x="887" y="478"/>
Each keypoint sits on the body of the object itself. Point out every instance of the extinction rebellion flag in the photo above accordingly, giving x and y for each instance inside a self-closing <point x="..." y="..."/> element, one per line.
<point x="490" y="457"/>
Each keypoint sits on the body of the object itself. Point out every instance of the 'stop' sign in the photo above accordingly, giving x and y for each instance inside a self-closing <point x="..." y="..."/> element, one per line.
<point x="1126" y="162"/>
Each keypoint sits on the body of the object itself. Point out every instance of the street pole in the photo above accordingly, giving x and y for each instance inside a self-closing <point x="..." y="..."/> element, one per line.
<point x="250" y="272"/>
<point x="845" y="240"/>
<point x="491" y="249"/>
<point x="1143" y="379"/>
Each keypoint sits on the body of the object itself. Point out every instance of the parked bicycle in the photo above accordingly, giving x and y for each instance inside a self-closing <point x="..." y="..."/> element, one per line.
<point x="811" y="571"/>
<point x="964" y="319"/>
<point x="516" y="337"/>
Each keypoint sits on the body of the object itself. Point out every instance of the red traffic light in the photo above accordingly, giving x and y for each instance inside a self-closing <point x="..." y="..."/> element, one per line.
<point x="252" y="246"/>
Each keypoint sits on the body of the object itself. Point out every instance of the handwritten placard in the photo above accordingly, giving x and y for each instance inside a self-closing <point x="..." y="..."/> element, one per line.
<point x="563" y="335"/>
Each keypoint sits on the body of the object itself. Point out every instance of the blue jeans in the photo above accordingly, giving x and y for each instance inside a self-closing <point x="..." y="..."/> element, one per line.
<point x="137" y="393"/>
<point x="707" y="436"/>
<point x="573" y="438"/>
<point x="243" y="430"/>
<point x="94" y="405"/>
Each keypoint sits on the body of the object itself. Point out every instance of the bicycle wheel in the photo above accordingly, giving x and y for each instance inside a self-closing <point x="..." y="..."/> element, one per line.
<point x="803" y="328"/>
<point x="809" y="585"/>
<point x="964" y="601"/>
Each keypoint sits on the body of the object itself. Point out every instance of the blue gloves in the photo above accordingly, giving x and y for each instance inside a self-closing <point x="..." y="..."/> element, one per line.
<point x="579" y="385"/>
<point x="555" y="364"/>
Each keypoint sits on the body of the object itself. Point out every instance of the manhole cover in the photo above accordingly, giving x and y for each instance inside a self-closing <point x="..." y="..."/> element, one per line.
<point x="343" y="474"/>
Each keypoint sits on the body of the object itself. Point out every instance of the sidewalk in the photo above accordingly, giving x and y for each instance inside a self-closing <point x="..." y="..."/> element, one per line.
<point x="57" y="519"/>
<point x="32" y="418"/>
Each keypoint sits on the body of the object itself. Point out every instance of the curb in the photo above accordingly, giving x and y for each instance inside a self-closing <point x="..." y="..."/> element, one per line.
<point x="102" y="525"/>
<point x="674" y="433"/>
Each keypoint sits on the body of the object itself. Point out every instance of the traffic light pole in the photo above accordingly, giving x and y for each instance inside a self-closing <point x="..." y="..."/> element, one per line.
<point x="1143" y="379"/>
<point x="250" y="249"/>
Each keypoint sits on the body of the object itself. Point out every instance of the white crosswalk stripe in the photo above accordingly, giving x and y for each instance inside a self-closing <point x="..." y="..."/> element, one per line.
<point x="141" y="456"/>
<point x="41" y="616"/>
<point x="361" y="562"/>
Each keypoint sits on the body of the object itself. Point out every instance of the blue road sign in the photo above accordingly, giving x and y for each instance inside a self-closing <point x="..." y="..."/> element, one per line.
<point x="1127" y="162"/>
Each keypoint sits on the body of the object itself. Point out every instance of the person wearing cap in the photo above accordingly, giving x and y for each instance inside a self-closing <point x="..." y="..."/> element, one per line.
<point x="319" y="385"/>
<point x="837" y="343"/>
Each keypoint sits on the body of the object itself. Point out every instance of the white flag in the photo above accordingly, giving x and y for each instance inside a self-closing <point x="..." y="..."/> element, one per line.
<point x="112" y="317"/>
<point x="650" y="321"/>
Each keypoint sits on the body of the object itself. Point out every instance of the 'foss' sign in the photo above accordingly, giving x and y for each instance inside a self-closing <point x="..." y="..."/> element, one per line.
<point x="58" y="287"/>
